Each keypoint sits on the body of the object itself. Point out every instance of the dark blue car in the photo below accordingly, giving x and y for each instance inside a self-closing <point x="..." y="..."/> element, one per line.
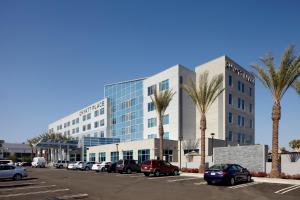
<point x="227" y="173"/>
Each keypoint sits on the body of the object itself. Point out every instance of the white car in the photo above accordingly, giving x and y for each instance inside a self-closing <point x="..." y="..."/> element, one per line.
<point x="101" y="167"/>
<point x="73" y="165"/>
<point x="38" y="162"/>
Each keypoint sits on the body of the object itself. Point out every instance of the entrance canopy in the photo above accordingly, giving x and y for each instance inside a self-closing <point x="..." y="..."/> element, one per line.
<point x="57" y="143"/>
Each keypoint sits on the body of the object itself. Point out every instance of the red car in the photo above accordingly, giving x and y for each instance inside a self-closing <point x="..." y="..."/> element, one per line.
<point x="158" y="167"/>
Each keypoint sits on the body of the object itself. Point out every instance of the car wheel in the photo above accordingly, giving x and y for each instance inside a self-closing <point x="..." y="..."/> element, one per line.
<point x="209" y="182"/>
<point x="103" y="169"/>
<point x="146" y="174"/>
<point x="176" y="172"/>
<point x="87" y="169"/>
<point x="231" y="181"/>
<point x="248" y="178"/>
<point x="156" y="173"/>
<point x="128" y="171"/>
<point x="60" y="166"/>
<point x="17" y="177"/>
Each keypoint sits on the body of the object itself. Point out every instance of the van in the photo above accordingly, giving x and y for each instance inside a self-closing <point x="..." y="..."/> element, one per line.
<point x="8" y="162"/>
<point x="38" y="162"/>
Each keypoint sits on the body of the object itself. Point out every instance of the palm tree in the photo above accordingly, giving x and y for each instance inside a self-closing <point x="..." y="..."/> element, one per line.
<point x="161" y="101"/>
<point x="278" y="81"/>
<point x="203" y="95"/>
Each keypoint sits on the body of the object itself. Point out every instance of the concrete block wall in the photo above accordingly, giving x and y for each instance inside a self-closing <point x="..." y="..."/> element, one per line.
<point x="287" y="166"/>
<point x="252" y="157"/>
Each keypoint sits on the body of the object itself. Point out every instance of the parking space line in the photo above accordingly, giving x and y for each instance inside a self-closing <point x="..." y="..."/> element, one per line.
<point x="30" y="187"/>
<point x="288" y="189"/>
<point x="243" y="185"/>
<point x="76" y="196"/>
<point x="30" y="193"/>
<point x="151" y="178"/>
<point x="182" y="179"/>
<point x="201" y="183"/>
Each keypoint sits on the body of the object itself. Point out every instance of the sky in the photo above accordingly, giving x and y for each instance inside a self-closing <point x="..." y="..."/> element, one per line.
<point x="56" y="56"/>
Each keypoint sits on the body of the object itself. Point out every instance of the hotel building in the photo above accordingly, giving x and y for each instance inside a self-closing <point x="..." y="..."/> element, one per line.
<point x="127" y="125"/>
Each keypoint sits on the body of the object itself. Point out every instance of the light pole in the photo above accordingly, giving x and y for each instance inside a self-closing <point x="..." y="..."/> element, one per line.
<point x="117" y="146"/>
<point x="212" y="146"/>
<point x="180" y="140"/>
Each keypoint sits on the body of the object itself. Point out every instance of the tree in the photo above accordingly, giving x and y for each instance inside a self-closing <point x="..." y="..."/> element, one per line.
<point x="295" y="144"/>
<point x="203" y="95"/>
<point x="161" y="101"/>
<point x="278" y="81"/>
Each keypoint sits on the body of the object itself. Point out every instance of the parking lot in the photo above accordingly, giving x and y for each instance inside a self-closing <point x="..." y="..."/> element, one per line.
<point x="66" y="184"/>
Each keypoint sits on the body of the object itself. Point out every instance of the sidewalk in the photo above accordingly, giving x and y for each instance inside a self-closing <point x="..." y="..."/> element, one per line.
<point x="256" y="179"/>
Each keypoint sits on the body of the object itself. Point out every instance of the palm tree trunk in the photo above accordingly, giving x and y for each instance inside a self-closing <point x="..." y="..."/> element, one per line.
<point x="202" y="142"/>
<point x="276" y="112"/>
<point x="161" y="139"/>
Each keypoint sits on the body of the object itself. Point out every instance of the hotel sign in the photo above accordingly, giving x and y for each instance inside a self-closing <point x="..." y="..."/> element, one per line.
<point x="240" y="72"/>
<point x="92" y="108"/>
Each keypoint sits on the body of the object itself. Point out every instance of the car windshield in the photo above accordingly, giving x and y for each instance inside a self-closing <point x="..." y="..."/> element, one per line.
<point x="218" y="167"/>
<point x="120" y="162"/>
<point x="147" y="162"/>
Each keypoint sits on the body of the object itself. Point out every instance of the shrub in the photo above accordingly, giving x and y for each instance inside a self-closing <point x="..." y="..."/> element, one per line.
<point x="259" y="174"/>
<point x="190" y="170"/>
<point x="288" y="176"/>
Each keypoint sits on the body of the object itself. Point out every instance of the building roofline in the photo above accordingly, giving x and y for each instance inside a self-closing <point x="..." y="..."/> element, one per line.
<point x="132" y="80"/>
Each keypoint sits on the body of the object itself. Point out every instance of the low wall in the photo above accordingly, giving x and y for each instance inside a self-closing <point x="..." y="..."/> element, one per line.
<point x="252" y="157"/>
<point x="287" y="166"/>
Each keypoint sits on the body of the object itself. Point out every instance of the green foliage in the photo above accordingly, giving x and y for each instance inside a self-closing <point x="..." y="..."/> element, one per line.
<point x="161" y="101"/>
<point x="206" y="92"/>
<point x="295" y="144"/>
<point x="12" y="157"/>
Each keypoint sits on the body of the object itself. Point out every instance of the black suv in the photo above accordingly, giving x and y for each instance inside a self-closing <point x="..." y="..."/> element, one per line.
<point x="127" y="166"/>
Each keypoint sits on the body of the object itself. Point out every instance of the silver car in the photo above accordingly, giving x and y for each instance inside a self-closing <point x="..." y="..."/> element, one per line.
<point x="85" y="165"/>
<point x="12" y="172"/>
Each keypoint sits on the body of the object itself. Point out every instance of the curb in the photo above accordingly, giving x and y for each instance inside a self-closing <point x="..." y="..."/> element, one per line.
<point x="256" y="179"/>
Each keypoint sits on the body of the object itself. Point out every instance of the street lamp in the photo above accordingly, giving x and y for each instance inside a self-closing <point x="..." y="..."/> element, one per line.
<point x="117" y="146"/>
<point x="212" y="146"/>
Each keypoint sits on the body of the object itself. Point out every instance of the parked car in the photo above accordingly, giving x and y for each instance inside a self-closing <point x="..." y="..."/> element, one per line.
<point x="158" y="167"/>
<point x="85" y="165"/>
<point x="73" y="165"/>
<point x="12" y="172"/>
<point x="127" y="166"/>
<point x="38" y="162"/>
<point x="101" y="167"/>
<point x="61" y="164"/>
<point x="9" y="162"/>
<point x="25" y="164"/>
<point x="227" y="173"/>
<point x="112" y="168"/>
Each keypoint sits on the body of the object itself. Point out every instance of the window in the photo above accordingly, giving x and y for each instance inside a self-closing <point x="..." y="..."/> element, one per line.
<point x="151" y="89"/>
<point x="65" y="125"/>
<point x="243" y="104"/>
<point x="92" y="157"/>
<point x="77" y="120"/>
<point x="73" y="121"/>
<point x="102" y="122"/>
<point x="164" y="85"/>
<point x="77" y="130"/>
<point x="249" y="139"/>
<point x="243" y="138"/>
<point x="83" y="117"/>
<point x="101" y="111"/>
<point x="96" y="113"/>
<point x="102" y="134"/>
<point x="166" y="135"/>
<point x="73" y="130"/>
<point x="83" y="128"/>
<point x="165" y="119"/>
<point x="88" y="127"/>
<point x="151" y="136"/>
<point x="96" y="134"/>
<point x="128" y="155"/>
<point x="250" y="107"/>
<point x="230" y="136"/>
<point x="96" y="124"/>
<point x="128" y="130"/>
<point x="143" y="154"/>
<point x="239" y="103"/>
<point x="128" y="103"/>
<point x="230" y="80"/>
<point x="239" y="120"/>
<point x="230" y="117"/>
<point x="102" y="156"/>
<point x="169" y="155"/>
<point x="114" y="156"/>
<point x="250" y="123"/>
<point x="151" y="122"/>
<point x="243" y="121"/>
<point x="239" y="85"/>
<point x="68" y="124"/>
<point x="230" y="99"/>
<point x="243" y="87"/>
<point x="114" y="121"/>
<point x="128" y="117"/>
<point x="250" y="91"/>
<point x="151" y="106"/>
<point x="88" y="116"/>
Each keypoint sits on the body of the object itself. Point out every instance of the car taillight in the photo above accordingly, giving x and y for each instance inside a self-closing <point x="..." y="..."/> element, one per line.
<point x="205" y="172"/>
<point x="222" y="173"/>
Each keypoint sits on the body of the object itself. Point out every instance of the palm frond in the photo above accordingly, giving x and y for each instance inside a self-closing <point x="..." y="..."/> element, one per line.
<point x="162" y="100"/>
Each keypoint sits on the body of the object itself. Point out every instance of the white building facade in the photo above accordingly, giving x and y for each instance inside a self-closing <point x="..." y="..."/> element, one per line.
<point x="128" y="113"/>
